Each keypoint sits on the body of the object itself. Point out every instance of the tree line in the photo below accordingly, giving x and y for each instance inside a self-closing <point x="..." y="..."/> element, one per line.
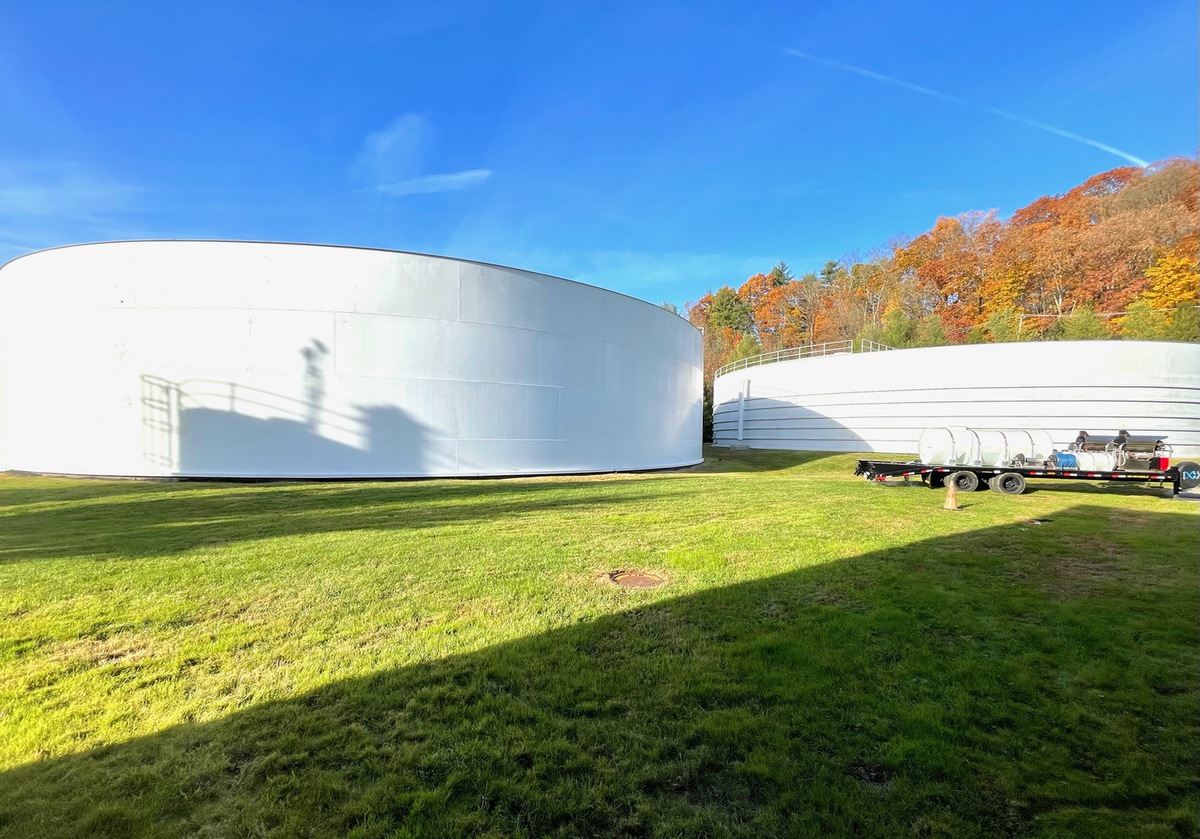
<point x="1115" y="257"/>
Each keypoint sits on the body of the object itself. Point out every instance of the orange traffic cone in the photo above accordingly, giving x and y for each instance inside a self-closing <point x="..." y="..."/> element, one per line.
<point x="951" y="497"/>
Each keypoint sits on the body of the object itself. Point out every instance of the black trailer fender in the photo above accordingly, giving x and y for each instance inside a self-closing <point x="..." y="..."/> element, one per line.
<point x="935" y="479"/>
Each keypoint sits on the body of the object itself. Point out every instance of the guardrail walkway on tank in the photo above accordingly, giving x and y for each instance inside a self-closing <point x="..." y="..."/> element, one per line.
<point x="805" y="351"/>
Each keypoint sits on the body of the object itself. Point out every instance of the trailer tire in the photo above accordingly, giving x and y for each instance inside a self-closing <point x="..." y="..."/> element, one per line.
<point x="935" y="480"/>
<point x="1008" y="483"/>
<point x="964" y="481"/>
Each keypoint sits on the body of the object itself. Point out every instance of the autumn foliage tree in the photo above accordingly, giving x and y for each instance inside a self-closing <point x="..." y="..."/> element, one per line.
<point x="1117" y="256"/>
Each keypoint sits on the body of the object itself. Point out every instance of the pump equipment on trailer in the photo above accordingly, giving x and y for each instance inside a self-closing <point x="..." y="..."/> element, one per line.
<point x="1005" y="459"/>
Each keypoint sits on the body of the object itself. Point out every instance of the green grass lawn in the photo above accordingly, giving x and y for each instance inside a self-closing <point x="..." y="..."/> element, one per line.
<point x="446" y="658"/>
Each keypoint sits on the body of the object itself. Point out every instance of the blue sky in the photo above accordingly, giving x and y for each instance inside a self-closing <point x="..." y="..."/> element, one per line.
<point x="660" y="149"/>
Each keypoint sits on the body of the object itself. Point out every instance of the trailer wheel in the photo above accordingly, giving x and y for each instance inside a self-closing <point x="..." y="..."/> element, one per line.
<point x="964" y="481"/>
<point x="1008" y="483"/>
<point x="934" y="479"/>
<point x="1189" y="475"/>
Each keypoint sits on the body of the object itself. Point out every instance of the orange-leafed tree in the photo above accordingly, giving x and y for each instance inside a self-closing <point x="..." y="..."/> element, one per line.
<point x="697" y="313"/>
<point x="951" y="260"/>
<point x="1124" y="241"/>
<point x="755" y="293"/>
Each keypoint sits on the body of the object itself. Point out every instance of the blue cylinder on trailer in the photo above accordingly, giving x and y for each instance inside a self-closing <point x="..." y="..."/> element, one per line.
<point x="1064" y="460"/>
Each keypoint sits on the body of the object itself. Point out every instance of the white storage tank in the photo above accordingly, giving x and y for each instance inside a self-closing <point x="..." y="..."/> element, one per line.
<point x="882" y="401"/>
<point x="243" y="359"/>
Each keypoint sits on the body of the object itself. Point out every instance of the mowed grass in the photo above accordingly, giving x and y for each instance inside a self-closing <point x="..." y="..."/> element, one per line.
<point x="448" y="658"/>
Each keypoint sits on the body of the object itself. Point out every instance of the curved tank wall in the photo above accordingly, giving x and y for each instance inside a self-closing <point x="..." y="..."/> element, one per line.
<point x="881" y="401"/>
<point x="240" y="359"/>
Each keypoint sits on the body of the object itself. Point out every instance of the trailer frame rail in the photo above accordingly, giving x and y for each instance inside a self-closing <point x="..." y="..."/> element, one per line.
<point x="1180" y="477"/>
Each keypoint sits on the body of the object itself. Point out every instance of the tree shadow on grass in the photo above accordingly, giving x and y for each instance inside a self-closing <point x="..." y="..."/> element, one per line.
<point x="163" y="519"/>
<point x="925" y="690"/>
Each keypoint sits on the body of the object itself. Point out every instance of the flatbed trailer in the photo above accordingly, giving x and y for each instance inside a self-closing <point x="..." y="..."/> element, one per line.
<point x="1011" y="480"/>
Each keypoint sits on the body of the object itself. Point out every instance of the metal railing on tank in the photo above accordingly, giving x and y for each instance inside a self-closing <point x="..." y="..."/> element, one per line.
<point x="805" y="351"/>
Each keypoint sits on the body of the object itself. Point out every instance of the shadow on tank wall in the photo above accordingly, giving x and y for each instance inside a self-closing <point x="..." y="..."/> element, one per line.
<point x="768" y="423"/>
<point x="208" y="428"/>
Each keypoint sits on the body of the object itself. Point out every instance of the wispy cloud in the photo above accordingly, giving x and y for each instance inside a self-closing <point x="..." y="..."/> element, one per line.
<point x="392" y="161"/>
<point x="945" y="97"/>
<point x="436" y="183"/>
<point x="54" y="190"/>
<point x="60" y="190"/>
<point x="43" y="204"/>
<point x="394" y="152"/>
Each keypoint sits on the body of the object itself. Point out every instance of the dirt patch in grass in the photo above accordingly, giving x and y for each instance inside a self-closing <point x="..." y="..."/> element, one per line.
<point x="119" y="649"/>
<point x="387" y="632"/>
<point x="1083" y="573"/>
<point x="1075" y="576"/>
<point x="1129" y="518"/>
<point x="873" y="775"/>
<point x="1086" y="572"/>
<point x="1165" y="689"/>
<point x="835" y="597"/>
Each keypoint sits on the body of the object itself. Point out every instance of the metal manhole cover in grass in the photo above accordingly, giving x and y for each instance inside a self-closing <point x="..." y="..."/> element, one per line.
<point x="636" y="579"/>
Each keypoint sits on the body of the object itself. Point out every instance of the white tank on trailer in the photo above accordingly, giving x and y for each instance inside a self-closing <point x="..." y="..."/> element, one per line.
<point x="963" y="446"/>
